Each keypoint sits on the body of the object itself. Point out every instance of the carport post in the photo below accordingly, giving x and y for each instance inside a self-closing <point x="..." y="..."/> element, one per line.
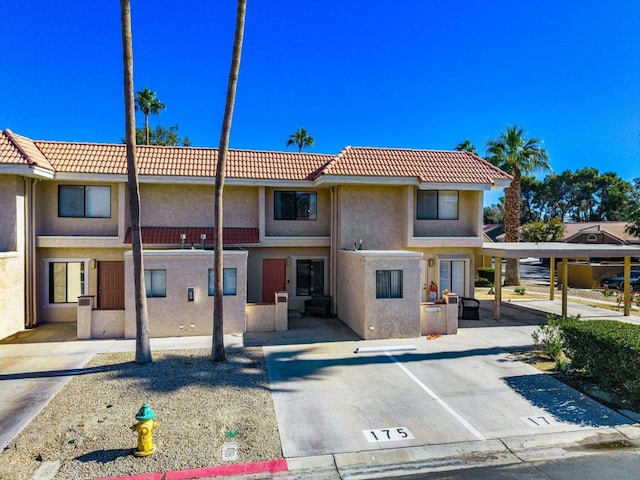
<point x="552" y="278"/>
<point x="627" y="286"/>
<point x="497" y="279"/>
<point x="564" y="287"/>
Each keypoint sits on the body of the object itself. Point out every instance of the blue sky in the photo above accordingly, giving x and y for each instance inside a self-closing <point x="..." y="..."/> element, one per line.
<point x="397" y="73"/>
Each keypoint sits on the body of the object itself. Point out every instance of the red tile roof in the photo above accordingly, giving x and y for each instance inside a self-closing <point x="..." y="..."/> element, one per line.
<point x="171" y="235"/>
<point x="181" y="161"/>
<point x="432" y="166"/>
<point x="19" y="150"/>
<point x="435" y="166"/>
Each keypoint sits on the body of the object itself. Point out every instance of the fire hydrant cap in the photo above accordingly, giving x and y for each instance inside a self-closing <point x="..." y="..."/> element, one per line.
<point x="145" y="413"/>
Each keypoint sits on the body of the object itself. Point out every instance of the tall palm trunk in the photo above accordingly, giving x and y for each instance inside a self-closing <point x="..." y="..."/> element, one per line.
<point x="512" y="226"/>
<point x="217" y="349"/>
<point x="146" y="126"/>
<point x="143" y="347"/>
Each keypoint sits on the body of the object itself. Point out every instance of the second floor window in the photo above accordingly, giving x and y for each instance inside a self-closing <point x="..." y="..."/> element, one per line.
<point x="294" y="205"/>
<point x="84" y="201"/>
<point x="437" y="205"/>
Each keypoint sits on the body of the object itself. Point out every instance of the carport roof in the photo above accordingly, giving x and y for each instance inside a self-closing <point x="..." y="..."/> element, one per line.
<point x="558" y="250"/>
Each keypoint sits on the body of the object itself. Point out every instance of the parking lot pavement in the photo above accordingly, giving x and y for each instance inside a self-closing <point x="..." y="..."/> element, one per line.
<point x="457" y="388"/>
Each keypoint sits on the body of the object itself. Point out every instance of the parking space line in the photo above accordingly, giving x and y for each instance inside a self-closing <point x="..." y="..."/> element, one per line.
<point x="432" y="394"/>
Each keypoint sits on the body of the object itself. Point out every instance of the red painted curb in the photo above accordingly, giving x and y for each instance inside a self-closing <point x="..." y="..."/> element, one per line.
<point x="270" y="466"/>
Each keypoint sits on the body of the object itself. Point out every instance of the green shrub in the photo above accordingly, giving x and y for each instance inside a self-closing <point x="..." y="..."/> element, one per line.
<point x="483" y="282"/>
<point x="607" y="350"/>
<point x="520" y="290"/>
<point x="548" y="339"/>
<point x="487" y="272"/>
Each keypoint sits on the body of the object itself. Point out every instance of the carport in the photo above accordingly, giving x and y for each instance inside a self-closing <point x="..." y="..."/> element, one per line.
<point x="561" y="252"/>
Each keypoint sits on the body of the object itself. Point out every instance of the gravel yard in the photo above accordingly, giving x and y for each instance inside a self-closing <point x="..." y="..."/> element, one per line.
<point x="199" y="406"/>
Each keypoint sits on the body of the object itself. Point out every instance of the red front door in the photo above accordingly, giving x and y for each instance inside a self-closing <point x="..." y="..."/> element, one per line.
<point x="274" y="278"/>
<point x="111" y="285"/>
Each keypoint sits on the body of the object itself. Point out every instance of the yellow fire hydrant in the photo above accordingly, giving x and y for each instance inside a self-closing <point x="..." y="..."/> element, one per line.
<point x="144" y="428"/>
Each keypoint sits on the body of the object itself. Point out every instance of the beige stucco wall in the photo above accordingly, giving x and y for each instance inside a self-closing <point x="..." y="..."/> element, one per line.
<point x="298" y="228"/>
<point x="465" y="226"/>
<point x="174" y="315"/>
<point x="377" y="215"/>
<point x="193" y="205"/>
<point x="254" y="266"/>
<point x="11" y="293"/>
<point x="48" y="222"/>
<point x="371" y="317"/>
<point x="11" y="200"/>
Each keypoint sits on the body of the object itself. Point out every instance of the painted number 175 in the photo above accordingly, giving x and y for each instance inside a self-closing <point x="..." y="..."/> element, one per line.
<point x="388" y="434"/>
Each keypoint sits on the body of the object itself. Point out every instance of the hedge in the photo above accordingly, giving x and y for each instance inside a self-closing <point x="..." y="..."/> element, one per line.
<point x="487" y="272"/>
<point x="607" y="350"/>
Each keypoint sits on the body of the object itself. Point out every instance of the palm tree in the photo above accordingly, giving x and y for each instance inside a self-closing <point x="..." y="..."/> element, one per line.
<point x="147" y="102"/>
<point x="301" y="139"/>
<point x="516" y="155"/>
<point x="143" y="347"/>
<point x="217" y="347"/>
<point x="466" y="146"/>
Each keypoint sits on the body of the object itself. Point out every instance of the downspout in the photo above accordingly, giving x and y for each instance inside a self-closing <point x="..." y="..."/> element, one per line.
<point x="333" y="249"/>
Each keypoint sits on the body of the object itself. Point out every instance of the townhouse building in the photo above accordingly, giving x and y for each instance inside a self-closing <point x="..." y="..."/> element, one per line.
<point x="369" y="228"/>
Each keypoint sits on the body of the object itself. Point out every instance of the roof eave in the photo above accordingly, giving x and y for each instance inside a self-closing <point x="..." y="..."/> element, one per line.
<point x="27" y="171"/>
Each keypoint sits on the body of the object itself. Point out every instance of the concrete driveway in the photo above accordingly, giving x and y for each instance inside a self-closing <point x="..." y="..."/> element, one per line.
<point x="453" y="389"/>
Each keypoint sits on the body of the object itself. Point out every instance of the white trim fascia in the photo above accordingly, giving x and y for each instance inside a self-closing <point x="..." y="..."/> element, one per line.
<point x="422" y="242"/>
<point x="91" y="177"/>
<point x="11" y="254"/>
<point x="267" y="182"/>
<point x="454" y="186"/>
<point x="50" y="241"/>
<point x="498" y="184"/>
<point x="295" y="242"/>
<point x="364" y="180"/>
<point x="26" y="171"/>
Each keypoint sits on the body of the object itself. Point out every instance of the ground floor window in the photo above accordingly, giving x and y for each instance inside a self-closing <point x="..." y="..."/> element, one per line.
<point x="389" y="284"/>
<point x="229" y="281"/>
<point x="66" y="281"/>
<point x="155" y="283"/>
<point x="309" y="277"/>
<point x="453" y="276"/>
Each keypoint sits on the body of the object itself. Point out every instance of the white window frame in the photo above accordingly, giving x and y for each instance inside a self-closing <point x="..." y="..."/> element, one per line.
<point x="439" y="204"/>
<point x="166" y="281"/>
<point x="294" y="275"/>
<point x="467" y="273"/>
<point x="210" y="287"/>
<point x="47" y="267"/>
<point x="85" y="199"/>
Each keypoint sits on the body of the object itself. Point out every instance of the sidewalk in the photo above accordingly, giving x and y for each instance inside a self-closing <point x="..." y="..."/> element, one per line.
<point x="49" y="348"/>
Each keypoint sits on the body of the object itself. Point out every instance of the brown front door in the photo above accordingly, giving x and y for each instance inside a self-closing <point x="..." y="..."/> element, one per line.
<point x="111" y="285"/>
<point x="274" y="278"/>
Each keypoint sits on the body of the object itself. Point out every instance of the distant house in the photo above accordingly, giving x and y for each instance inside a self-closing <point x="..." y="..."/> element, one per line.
<point x="369" y="228"/>
<point x="599" y="232"/>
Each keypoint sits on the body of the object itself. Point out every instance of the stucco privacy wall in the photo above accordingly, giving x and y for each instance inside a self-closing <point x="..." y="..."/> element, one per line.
<point x="49" y="223"/>
<point x="174" y="315"/>
<point x="12" y="299"/>
<point x="377" y="215"/>
<point x="376" y="318"/>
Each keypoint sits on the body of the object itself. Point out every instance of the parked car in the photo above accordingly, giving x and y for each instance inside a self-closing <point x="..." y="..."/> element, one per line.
<point x="617" y="281"/>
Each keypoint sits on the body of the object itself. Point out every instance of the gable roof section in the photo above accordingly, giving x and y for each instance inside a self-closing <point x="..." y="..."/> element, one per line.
<point x="432" y="166"/>
<point x="616" y="230"/>
<point x="19" y="150"/>
<point x="181" y="161"/>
